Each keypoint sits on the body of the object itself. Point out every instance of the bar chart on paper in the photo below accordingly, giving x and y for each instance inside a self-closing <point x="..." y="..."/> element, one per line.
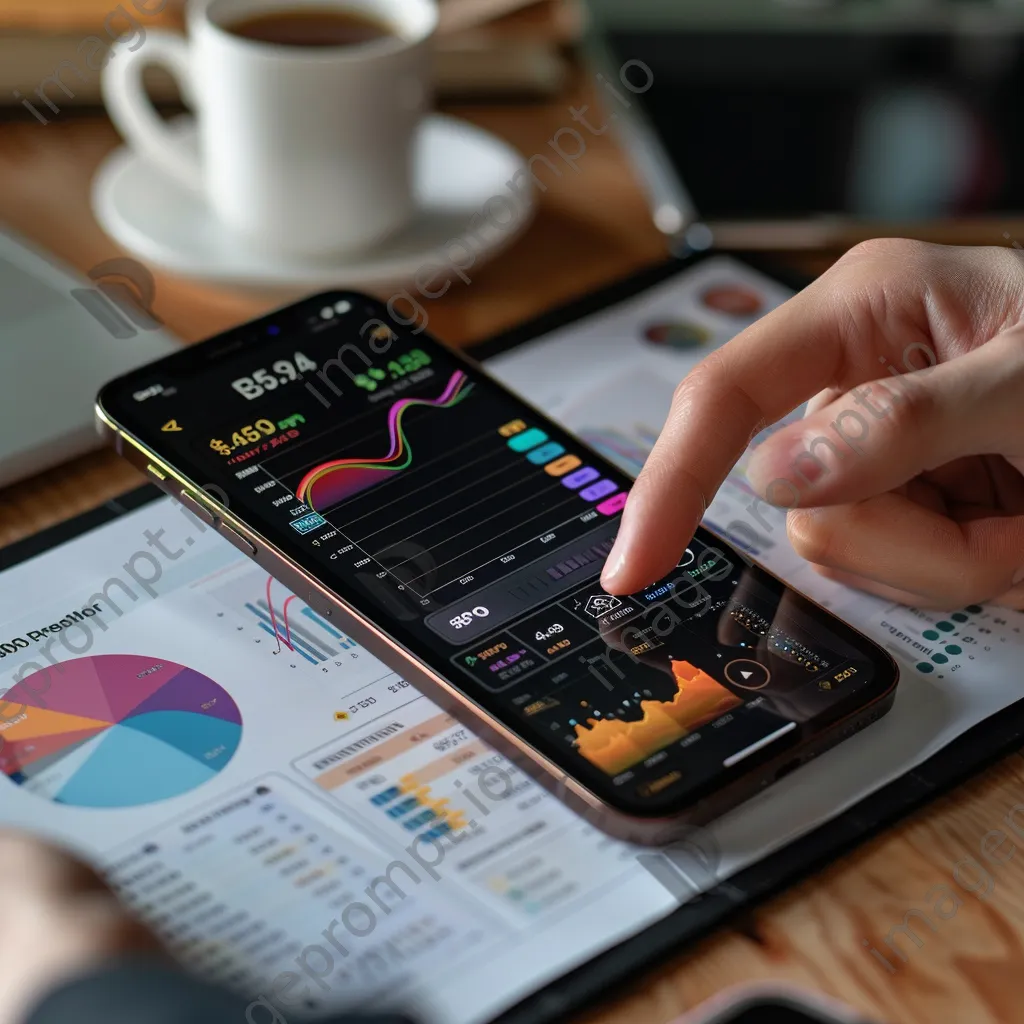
<point x="282" y="620"/>
<point x="417" y="776"/>
<point x="405" y="774"/>
<point x="312" y="637"/>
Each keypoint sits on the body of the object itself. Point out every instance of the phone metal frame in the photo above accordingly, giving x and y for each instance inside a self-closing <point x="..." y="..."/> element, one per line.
<point x="647" y="831"/>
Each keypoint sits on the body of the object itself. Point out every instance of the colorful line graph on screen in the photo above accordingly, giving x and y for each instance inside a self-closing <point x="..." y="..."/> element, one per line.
<point x="333" y="482"/>
<point x="613" y="745"/>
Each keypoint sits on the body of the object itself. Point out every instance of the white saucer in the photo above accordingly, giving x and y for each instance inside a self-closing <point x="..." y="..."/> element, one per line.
<point x="458" y="169"/>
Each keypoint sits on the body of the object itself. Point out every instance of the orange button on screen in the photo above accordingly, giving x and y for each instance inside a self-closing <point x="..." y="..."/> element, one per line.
<point x="511" y="429"/>
<point x="561" y="466"/>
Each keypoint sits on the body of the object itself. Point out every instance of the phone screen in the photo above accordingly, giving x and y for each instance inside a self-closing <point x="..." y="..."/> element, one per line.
<point x="472" y="530"/>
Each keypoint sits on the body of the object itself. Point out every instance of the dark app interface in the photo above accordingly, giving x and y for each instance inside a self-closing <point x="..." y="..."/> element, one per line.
<point x="480" y="530"/>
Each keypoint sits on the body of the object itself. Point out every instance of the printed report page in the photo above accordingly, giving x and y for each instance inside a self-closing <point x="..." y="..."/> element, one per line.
<point x="292" y="818"/>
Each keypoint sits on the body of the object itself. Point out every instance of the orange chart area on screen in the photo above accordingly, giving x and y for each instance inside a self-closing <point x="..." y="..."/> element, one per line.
<point x="613" y="745"/>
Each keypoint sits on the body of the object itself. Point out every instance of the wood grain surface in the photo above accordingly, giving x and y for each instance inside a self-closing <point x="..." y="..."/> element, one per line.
<point x="592" y="228"/>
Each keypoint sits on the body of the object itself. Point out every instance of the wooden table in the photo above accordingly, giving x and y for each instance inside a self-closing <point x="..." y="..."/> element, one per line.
<point x="593" y="227"/>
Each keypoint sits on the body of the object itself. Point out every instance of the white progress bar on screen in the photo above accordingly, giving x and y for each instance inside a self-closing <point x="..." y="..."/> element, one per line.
<point x="755" y="747"/>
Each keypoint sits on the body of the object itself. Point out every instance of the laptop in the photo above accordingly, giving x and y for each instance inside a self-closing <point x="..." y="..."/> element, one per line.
<point x="63" y="335"/>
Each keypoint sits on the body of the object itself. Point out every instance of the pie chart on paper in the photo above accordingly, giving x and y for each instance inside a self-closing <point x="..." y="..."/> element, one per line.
<point x="116" y="730"/>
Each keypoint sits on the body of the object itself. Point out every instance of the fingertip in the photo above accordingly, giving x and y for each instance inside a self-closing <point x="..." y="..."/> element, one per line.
<point x="652" y="535"/>
<point x="631" y="569"/>
<point x="626" y="580"/>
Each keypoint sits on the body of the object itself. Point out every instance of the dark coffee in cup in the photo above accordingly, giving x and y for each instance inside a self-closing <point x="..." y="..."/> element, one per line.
<point x="312" y="27"/>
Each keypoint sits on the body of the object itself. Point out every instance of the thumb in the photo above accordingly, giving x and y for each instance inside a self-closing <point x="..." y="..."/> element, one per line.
<point x="880" y="435"/>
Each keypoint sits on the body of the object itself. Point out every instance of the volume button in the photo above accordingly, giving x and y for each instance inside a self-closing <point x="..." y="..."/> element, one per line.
<point x="242" y="543"/>
<point x="197" y="509"/>
<point x="157" y="474"/>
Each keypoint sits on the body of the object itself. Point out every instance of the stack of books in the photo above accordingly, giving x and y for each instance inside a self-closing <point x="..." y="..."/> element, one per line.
<point x="52" y="53"/>
<point x="513" y="48"/>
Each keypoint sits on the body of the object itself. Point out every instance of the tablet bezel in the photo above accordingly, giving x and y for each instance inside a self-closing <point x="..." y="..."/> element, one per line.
<point x="605" y="975"/>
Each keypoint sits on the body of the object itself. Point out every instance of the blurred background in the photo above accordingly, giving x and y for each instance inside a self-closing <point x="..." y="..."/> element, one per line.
<point x="873" y="110"/>
<point x="791" y="127"/>
<point x="765" y="110"/>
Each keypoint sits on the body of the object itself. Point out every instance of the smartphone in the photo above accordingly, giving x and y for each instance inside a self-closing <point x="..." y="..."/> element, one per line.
<point x="458" y="534"/>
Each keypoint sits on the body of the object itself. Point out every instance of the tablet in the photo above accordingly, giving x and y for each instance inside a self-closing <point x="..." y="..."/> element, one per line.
<point x="297" y="822"/>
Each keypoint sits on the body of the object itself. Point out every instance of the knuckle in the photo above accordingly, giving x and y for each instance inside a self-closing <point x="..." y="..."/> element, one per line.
<point x="681" y="393"/>
<point x="695" y="381"/>
<point x="710" y="383"/>
<point x="888" y="249"/>
<point x="897" y="267"/>
<point x="913" y="411"/>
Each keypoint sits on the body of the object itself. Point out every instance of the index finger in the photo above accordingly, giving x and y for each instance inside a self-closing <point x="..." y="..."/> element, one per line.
<point x="764" y="373"/>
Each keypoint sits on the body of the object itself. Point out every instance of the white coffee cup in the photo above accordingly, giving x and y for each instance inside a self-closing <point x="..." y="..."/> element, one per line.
<point x="304" y="149"/>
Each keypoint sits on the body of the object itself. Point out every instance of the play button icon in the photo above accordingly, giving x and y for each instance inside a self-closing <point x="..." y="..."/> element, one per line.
<point x="747" y="674"/>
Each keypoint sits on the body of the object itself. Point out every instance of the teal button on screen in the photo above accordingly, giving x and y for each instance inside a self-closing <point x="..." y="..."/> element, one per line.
<point x="546" y="453"/>
<point x="527" y="439"/>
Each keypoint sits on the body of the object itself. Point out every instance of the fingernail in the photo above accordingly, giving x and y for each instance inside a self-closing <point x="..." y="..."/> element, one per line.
<point x="1018" y="577"/>
<point x="767" y="465"/>
<point x="613" y="565"/>
<point x="775" y="475"/>
<point x="805" y="463"/>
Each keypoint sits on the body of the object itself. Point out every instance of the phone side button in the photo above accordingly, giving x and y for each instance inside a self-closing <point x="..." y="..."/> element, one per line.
<point x="243" y="544"/>
<point x="157" y="474"/>
<point x="201" y="512"/>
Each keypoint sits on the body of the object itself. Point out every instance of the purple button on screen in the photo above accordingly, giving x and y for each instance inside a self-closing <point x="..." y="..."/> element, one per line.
<point x="600" y="490"/>
<point x="586" y="475"/>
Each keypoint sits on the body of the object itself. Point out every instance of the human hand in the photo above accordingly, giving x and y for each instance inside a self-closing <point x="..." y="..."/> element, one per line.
<point x="905" y="478"/>
<point x="58" y="920"/>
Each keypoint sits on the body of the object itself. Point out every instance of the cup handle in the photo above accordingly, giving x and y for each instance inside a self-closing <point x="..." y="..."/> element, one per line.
<point x="124" y="95"/>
